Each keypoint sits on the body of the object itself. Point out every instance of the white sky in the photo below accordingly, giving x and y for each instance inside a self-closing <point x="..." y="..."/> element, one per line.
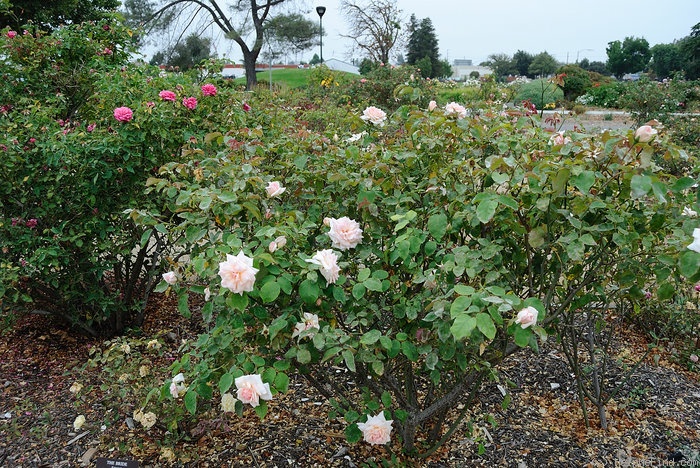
<point x="564" y="28"/>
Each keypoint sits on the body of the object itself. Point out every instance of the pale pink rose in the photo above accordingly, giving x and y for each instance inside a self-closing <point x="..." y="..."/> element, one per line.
<point x="432" y="105"/>
<point x="190" y="102"/>
<point x="695" y="245"/>
<point x="453" y="108"/>
<point x="177" y="385"/>
<point x="645" y="133"/>
<point x="281" y="241"/>
<point x="559" y="139"/>
<point x="207" y="293"/>
<point x="274" y="189"/>
<point x="272" y="247"/>
<point x="377" y="430"/>
<point x="237" y="273"/>
<point x="345" y="233"/>
<point x="527" y="317"/>
<point x="11" y="34"/>
<point x="374" y="115"/>
<point x="310" y="321"/>
<point x="327" y="262"/>
<point x="694" y="358"/>
<point x="209" y="90"/>
<point x="167" y="95"/>
<point x="170" y="277"/>
<point x="251" y="388"/>
<point x="123" y="114"/>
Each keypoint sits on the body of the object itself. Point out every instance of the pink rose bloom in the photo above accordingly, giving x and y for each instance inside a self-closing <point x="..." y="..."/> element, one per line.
<point x="274" y="189"/>
<point x="11" y="34"/>
<point x="237" y="273"/>
<point x="345" y="233"/>
<point x="645" y="133"/>
<point x="377" y="430"/>
<point x="167" y="95"/>
<point x="453" y="108"/>
<point x="91" y="127"/>
<point x="32" y="223"/>
<point x="251" y="388"/>
<point x="278" y="243"/>
<point x="310" y="321"/>
<point x="363" y="80"/>
<point x="432" y="105"/>
<point x="559" y="139"/>
<point x="189" y="102"/>
<point x="374" y="115"/>
<point x="246" y="106"/>
<point x="697" y="287"/>
<point x="527" y="317"/>
<point x="327" y="263"/>
<point x="694" y="358"/>
<point x="107" y="51"/>
<point x="209" y="90"/>
<point x="170" y="277"/>
<point x="123" y="114"/>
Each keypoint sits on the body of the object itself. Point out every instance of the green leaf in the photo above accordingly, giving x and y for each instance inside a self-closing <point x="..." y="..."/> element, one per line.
<point x="261" y="410"/>
<point x="484" y="323"/>
<point x="584" y="181"/>
<point x="689" y="263"/>
<point x="191" y="402"/>
<point x="486" y="210"/>
<point x="683" y="183"/>
<point x="437" y="225"/>
<point x="409" y="350"/>
<point x="225" y="382"/>
<point x="459" y="305"/>
<point x="378" y="367"/>
<point x="665" y="291"/>
<point x="521" y="336"/>
<point x="237" y="301"/>
<point x="349" y="359"/>
<point x="640" y="185"/>
<point x="373" y="284"/>
<point x="353" y="434"/>
<point x="269" y="291"/>
<point x="463" y="326"/>
<point x="536" y="237"/>
<point x="182" y="306"/>
<point x="303" y="356"/>
<point x="370" y="337"/>
<point x="309" y="291"/>
<point x="358" y="291"/>
<point x="560" y="180"/>
<point x="281" y="382"/>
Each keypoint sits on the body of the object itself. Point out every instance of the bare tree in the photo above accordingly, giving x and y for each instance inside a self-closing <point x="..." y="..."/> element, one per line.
<point x="375" y="26"/>
<point x="243" y="24"/>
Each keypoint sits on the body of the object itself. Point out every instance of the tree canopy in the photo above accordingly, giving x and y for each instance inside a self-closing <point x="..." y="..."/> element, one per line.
<point x="375" y="26"/>
<point x="629" y="56"/>
<point x="422" y="49"/>
<point x="48" y="15"/>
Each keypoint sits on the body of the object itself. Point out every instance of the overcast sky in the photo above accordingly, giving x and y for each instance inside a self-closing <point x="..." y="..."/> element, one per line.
<point x="564" y="28"/>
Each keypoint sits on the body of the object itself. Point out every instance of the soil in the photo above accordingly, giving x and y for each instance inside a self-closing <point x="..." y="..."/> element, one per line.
<point x="656" y="417"/>
<point x="590" y="121"/>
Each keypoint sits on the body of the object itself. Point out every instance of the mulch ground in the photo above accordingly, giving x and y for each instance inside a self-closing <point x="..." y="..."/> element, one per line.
<point x="655" y="419"/>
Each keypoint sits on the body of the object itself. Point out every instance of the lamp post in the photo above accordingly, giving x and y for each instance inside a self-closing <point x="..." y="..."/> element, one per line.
<point x="321" y="10"/>
<point x="582" y="50"/>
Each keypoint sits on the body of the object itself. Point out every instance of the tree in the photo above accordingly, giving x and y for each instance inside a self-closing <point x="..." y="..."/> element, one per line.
<point x="422" y="44"/>
<point x="185" y="55"/>
<point x="375" y="26"/>
<point x="690" y="48"/>
<point x="246" y="12"/>
<point x="595" y="66"/>
<point x="292" y="32"/>
<point x="666" y="59"/>
<point x="521" y="62"/>
<point x="48" y="15"/>
<point x="630" y="56"/>
<point x="543" y="64"/>
<point x="315" y="60"/>
<point x="501" y="64"/>
<point x="576" y="81"/>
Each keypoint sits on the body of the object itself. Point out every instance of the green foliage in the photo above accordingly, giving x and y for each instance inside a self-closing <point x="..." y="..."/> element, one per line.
<point x="646" y="99"/>
<point x="630" y="56"/>
<point x="539" y="92"/>
<point x="576" y="81"/>
<point x="50" y="15"/>
<point x="465" y="222"/>
<point x="666" y="60"/>
<point x="543" y="64"/>
<point x="423" y="49"/>
<point x="72" y="169"/>
<point x="184" y="55"/>
<point x="292" y="31"/>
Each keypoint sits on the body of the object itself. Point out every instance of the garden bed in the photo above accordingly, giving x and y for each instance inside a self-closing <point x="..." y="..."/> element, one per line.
<point x="655" y="419"/>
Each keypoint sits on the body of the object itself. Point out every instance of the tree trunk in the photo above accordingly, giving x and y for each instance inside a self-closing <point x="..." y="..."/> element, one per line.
<point x="249" y="64"/>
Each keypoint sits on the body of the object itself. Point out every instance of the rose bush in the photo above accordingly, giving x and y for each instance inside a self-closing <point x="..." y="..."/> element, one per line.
<point x="462" y="241"/>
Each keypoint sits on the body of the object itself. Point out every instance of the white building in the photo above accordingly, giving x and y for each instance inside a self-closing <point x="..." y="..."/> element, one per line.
<point x="339" y="65"/>
<point x="462" y="69"/>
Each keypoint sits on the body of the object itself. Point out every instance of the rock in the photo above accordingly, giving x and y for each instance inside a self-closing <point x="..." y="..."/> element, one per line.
<point x="87" y="456"/>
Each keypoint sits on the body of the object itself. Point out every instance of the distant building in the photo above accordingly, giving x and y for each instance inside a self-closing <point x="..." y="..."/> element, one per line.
<point x="463" y="68"/>
<point x="339" y="65"/>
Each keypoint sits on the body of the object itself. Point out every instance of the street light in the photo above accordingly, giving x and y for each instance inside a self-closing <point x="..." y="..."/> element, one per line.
<point x="321" y="10"/>
<point x="582" y="50"/>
